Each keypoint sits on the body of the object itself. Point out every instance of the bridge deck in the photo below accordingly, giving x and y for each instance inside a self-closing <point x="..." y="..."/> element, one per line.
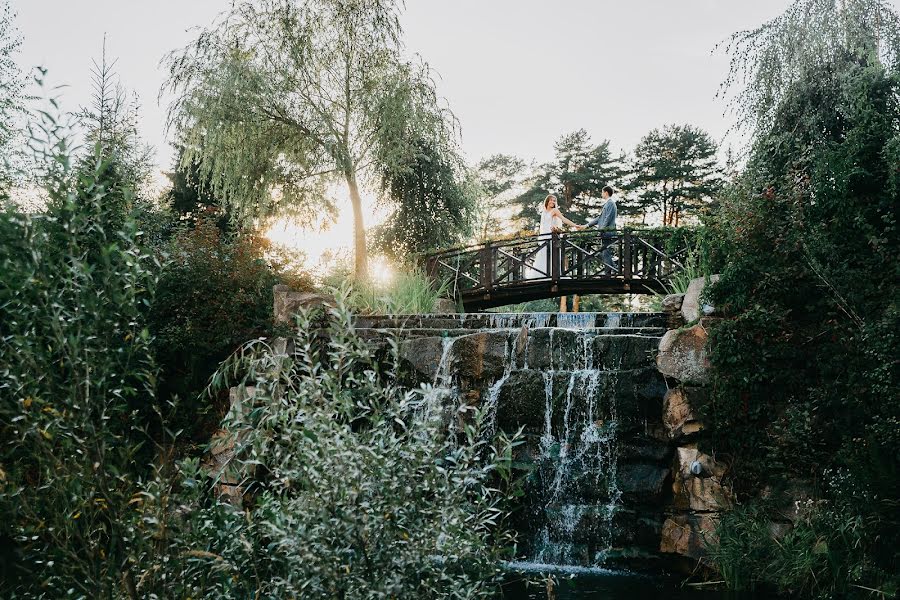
<point x="503" y="272"/>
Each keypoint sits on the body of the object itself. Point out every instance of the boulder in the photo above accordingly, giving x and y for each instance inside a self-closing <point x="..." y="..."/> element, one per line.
<point x="697" y="483"/>
<point x="522" y="402"/>
<point x="682" y="355"/>
<point x="444" y="306"/>
<point x="423" y="354"/>
<point x="482" y="355"/>
<point x="288" y="302"/>
<point x="688" y="534"/>
<point x="691" y="307"/>
<point x="678" y="414"/>
<point x="641" y="482"/>
<point x="671" y="306"/>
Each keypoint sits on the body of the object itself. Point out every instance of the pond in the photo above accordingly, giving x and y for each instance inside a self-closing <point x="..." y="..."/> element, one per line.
<point x="530" y="582"/>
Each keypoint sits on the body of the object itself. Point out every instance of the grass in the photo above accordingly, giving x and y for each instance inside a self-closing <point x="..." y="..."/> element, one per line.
<point x="409" y="292"/>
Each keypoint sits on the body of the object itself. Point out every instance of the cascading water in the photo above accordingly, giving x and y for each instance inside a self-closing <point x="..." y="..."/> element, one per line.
<point x="581" y="386"/>
<point x="577" y="480"/>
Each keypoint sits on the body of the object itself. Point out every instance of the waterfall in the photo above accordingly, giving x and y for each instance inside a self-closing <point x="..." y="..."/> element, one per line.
<point x="576" y="320"/>
<point x="575" y="382"/>
<point x="577" y="488"/>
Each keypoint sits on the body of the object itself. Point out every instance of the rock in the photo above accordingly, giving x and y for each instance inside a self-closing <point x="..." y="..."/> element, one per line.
<point x="682" y="355"/>
<point x="701" y="492"/>
<point x="678" y="414"/>
<point x="444" y="306"/>
<point x="282" y="346"/>
<point x="642" y="482"/>
<point x="521" y="402"/>
<point x="691" y="308"/>
<point x="482" y="355"/>
<point x="288" y="302"/>
<point x="671" y="306"/>
<point x="423" y="354"/>
<point x="688" y="534"/>
<point x="240" y="400"/>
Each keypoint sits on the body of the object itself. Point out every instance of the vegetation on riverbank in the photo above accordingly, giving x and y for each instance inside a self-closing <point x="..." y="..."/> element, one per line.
<point x="804" y="401"/>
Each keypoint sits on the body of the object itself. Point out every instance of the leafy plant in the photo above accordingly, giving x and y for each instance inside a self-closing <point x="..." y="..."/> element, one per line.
<point x="214" y="294"/>
<point x="355" y="488"/>
<point x="77" y="383"/>
<point x="408" y="292"/>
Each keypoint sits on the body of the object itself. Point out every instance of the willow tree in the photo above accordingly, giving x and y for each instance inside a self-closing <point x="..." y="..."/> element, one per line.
<point x="280" y="99"/>
<point x="767" y="61"/>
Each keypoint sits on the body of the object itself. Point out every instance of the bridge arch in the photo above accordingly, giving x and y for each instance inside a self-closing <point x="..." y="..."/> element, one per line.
<point x="621" y="261"/>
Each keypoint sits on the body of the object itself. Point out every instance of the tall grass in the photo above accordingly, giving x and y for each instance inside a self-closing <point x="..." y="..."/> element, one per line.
<point x="408" y="292"/>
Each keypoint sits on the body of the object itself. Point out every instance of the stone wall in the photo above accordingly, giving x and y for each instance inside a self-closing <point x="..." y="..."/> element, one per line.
<point x="608" y="405"/>
<point x="700" y="492"/>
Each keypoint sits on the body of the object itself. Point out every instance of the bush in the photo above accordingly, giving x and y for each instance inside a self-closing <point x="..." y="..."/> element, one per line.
<point x="825" y="553"/>
<point x="805" y="373"/>
<point x="77" y="388"/>
<point x="359" y="491"/>
<point x="408" y="293"/>
<point x="214" y="294"/>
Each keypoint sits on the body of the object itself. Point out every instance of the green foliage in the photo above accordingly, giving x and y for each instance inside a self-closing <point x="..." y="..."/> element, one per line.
<point x="674" y="171"/>
<point x="409" y="292"/>
<point x="77" y="385"/>
<point x="359" y="491"/>
<point x="291" y="96"/>
<point x="805" y="371"/>
<point x="825" y="553"/>
<point x="432" y="205"/>
<point x="12" y="101"/>
<point x="577" y="176"/>
<point x="214" y="294"/>
<point x="768" y="61"/>
<point x="110" y="130"/>
<point x="497" y="177"/>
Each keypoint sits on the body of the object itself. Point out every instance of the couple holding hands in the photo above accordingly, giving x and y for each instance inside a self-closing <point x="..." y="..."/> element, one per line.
<point x="552" y="220"/>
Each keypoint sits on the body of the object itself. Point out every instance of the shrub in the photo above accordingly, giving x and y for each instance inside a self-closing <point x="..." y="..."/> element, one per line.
<point x="409" y="292"/>
<point x="214" y="294"/>
<point x="804" y="372"/>
<point x="77" y="381"/>
<point x="359" y="490"/>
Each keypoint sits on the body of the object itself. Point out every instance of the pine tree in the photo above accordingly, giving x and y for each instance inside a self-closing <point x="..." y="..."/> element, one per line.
<point x="674" y="171"/>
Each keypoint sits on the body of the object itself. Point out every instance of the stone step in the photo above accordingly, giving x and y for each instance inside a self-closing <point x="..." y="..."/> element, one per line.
<point x="378" y="332"/>
<point x="511" y="320"/>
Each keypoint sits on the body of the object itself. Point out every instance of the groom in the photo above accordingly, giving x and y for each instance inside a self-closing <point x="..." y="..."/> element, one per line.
<point x="606" y="221"/>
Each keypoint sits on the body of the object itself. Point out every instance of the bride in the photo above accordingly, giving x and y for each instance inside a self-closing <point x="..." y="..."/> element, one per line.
<point x="551" y="222"/>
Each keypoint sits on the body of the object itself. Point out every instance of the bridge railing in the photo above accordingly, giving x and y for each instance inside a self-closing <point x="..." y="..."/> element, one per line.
<point x="645" y="259"/>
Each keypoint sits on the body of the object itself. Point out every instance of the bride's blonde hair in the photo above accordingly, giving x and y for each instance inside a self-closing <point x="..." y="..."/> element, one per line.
<point x="547" y="199"/>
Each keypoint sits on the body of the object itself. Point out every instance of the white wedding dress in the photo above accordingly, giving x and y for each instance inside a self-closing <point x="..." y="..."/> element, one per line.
<point x="539" y="265"/>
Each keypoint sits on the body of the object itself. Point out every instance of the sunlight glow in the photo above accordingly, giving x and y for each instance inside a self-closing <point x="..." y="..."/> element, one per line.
<point x="381" y="271"/>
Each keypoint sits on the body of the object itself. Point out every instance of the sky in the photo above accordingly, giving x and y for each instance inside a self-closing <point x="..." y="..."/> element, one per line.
<point x="516" y="73"/>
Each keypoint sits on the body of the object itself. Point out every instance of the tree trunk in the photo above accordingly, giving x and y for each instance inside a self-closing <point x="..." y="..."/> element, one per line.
<point x="361" y="256"/>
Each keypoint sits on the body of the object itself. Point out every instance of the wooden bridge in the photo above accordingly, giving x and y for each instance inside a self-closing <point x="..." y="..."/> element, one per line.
<point x="622" y="261"/>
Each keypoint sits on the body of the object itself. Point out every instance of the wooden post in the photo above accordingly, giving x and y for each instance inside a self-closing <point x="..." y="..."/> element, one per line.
<point x="486" y="257"/>
<point x="555" y="256"/>
<point x="626" y="255"/>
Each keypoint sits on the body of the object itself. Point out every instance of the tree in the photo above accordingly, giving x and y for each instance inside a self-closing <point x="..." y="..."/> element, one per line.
<point x="189" y="197"/>
<point x="12" y="99"/>
<point x="768" y="60"/>
<point x="804" y="371"/>
<point x="283" y="98"/>
<point x="576" y="177"/>
<point x="111" y="133"/>
<point x="674" y="169"/>
<point x="497" y="177"/>
<point x="434" y="203"/>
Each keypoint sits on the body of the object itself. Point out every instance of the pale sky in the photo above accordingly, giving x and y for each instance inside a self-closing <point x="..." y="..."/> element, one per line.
<point x="517" y="73"/>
